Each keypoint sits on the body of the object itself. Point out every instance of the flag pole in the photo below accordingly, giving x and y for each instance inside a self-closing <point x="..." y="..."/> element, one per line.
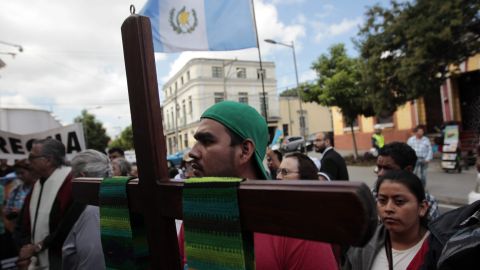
<point x="265" y="114"/>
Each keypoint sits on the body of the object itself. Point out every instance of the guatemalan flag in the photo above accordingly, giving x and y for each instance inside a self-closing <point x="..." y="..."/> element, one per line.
<point x="201" y="25"/>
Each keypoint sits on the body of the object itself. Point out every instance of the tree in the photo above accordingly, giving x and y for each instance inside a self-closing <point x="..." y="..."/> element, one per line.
<point x="95" y="134"/>
<point x="289" y="93"/>
<point x="339" y="84"/>
<point x="124" y="140"/>
<point x="407" y="49"/>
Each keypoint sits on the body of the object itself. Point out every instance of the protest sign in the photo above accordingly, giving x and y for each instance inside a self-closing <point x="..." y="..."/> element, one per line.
<point x="16" y="146"/>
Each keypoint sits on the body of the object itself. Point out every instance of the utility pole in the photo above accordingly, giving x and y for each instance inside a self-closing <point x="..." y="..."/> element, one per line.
<point x="299" y="91"/>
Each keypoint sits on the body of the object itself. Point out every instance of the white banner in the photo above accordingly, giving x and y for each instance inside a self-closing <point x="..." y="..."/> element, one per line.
<point x="15" y="146"/>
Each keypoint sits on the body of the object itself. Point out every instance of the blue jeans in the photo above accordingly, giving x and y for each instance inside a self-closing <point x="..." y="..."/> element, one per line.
<point x="421" y="171"/>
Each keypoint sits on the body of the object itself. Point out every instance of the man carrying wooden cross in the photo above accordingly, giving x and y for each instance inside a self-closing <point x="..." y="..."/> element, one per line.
<point x="231" y="142"/>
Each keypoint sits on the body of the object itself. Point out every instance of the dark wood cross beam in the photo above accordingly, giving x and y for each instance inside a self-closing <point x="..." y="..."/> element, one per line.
<point x="337" y="212"/>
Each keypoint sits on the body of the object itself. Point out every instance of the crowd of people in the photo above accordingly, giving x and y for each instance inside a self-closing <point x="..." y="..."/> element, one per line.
<point x="42" y="227"/>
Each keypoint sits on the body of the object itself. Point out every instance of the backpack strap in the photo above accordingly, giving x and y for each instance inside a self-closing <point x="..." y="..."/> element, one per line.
<point x="388" y="250"/>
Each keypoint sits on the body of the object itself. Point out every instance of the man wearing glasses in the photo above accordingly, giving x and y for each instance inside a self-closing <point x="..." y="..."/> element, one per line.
<point x="400" y="156"/>
<point x="45" y="207"/>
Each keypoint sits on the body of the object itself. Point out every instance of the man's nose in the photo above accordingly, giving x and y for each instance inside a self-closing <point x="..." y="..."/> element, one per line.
<point x="194" y="153"/>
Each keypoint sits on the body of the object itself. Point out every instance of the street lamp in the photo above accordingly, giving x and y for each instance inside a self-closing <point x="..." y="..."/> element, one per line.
<point x="19" y="47"/>
<point x="292" y="46"/>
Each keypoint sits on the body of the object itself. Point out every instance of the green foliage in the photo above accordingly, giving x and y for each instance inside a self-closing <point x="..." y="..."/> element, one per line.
<point x="124" y="140"/>
<point x="406" y="49"/>
<point x="95" y="134"/>
<point x="289" y="93"/>
<point x="339" y="84"/>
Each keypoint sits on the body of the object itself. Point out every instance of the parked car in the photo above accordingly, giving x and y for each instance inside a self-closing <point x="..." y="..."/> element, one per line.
<point x="293" y="143"/>
<point x="177" y="157"/>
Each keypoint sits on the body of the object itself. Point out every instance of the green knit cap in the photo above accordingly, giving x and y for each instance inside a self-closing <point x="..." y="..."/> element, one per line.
<point x="246" y="122"/>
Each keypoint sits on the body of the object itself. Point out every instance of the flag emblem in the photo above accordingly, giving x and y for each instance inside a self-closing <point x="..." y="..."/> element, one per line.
<point x="201" y="25"/>
<point x="183" y="21"/>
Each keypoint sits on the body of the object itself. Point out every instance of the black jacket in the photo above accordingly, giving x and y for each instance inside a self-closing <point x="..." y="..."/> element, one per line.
<point x="334" y="165"/>
<point x="441" y="230"/>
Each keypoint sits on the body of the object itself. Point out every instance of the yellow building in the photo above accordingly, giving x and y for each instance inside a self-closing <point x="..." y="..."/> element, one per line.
<point x="458" y="99"/>
<point x="317" y="118"/>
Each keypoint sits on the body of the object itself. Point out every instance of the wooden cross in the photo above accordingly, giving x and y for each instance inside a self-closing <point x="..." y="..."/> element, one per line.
<point x="336" y="212"/>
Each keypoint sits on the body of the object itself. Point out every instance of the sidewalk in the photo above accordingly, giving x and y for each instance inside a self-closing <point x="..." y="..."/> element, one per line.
<point x="448" y="188"/>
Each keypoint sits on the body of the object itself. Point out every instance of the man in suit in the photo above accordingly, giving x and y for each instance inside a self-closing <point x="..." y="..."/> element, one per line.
<point x="332" y="163"/>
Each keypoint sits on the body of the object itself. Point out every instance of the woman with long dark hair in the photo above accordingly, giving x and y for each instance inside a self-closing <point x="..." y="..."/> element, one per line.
<point x="400" y="240"/>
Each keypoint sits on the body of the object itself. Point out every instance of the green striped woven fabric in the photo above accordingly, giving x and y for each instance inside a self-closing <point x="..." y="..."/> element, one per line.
<point x="213" y="233"/>
<point x="123" y="233"/>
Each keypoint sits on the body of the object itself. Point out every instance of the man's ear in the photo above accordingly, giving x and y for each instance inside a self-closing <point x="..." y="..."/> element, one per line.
<point x="409" y="168"/>
<point x="248" y="149"/>
<point x="327" y="142"/>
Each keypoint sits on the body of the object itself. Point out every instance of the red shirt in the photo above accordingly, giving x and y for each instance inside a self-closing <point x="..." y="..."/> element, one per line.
<point x="284" y="253"/>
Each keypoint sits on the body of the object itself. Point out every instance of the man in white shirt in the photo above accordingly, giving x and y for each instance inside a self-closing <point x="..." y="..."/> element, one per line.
<point x="423" y="149"/>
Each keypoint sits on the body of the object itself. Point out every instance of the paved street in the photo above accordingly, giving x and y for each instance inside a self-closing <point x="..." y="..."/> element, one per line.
<point x="448" y="188"/>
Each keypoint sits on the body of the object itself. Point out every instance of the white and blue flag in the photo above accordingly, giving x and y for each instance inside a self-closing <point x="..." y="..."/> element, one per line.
<point x="201" y="25"/>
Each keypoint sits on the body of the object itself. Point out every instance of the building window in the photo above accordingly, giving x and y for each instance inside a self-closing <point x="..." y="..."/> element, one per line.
<point x="180" y="142"/>
<point x="385" y="119"/>
<point x="185" y="140"/>
<point x="181" y="79"/>
<point x="347" y="126"/>
<point x="217" y="72"/>
<point x="263" y="103"/>
<point x="170" y="146"/>
<point x="176" y="87"/>
<point x="188" y="75"/>
<point x="190" y="105"/>
<point x="243" y="97"/>
<point x="219" y="97"/>
<point x="259" y="73"/>
<point x="184" y="112"/>
<point x="241" y="73"/>
<point x="285" y="129"/>
<point x="168" y="119"/>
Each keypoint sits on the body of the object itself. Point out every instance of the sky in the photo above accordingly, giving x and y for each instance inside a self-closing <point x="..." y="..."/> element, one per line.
<point x="72" y="56"/>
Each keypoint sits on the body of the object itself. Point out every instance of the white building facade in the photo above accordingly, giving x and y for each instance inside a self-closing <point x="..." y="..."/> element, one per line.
<point x="203" y="82"/>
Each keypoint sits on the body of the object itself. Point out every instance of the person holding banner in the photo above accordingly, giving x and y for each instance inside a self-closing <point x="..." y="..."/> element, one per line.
<point x="16" y="198"/>
<point x="4" y="168"/>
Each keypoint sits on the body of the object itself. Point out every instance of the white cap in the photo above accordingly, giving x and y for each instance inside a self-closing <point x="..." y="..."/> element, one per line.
<point x="377" y="126"/>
